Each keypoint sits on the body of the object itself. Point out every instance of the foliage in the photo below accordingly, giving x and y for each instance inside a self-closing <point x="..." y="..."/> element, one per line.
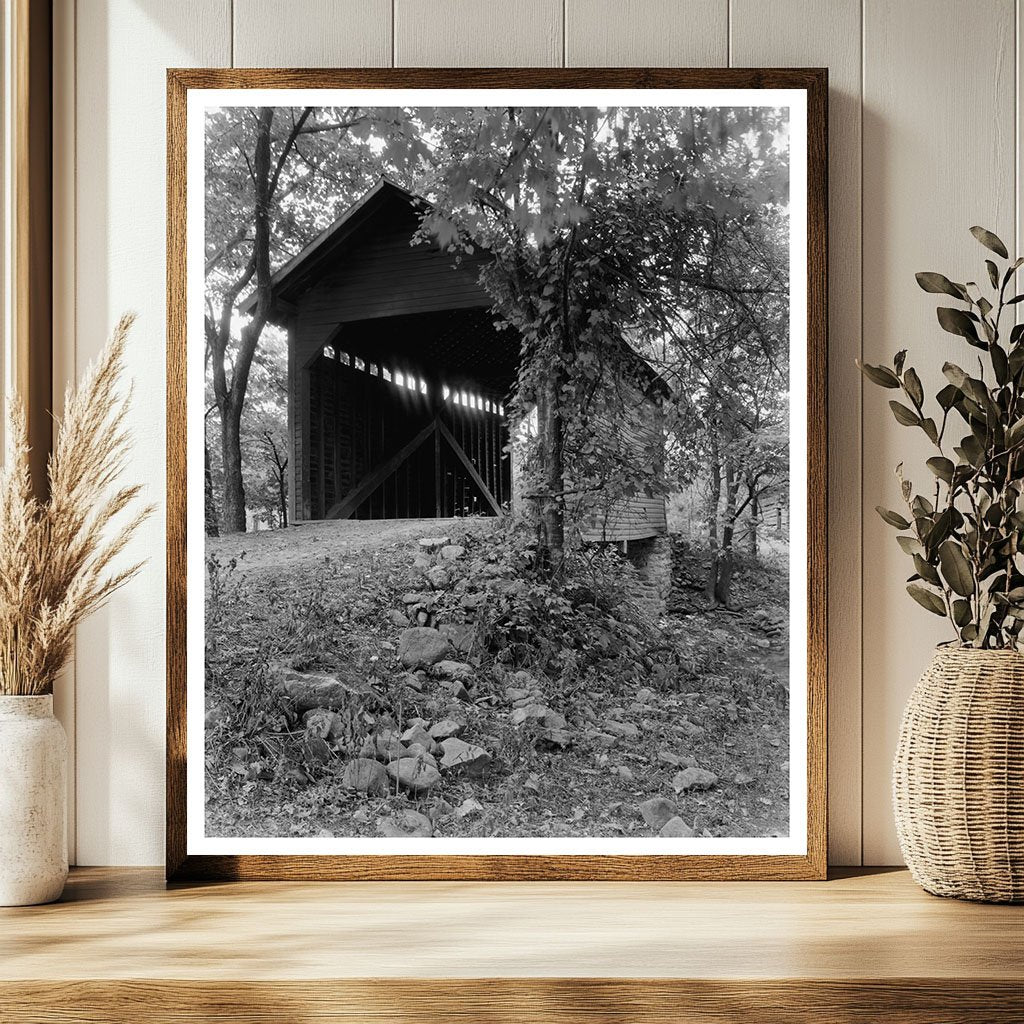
<point x="263" y="432"/>
<point x="966" y="535"/>
<point x="57" y="556"/>
<point x="609" y="226"/>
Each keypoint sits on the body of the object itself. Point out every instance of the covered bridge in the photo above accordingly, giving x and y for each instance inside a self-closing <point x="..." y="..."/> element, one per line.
<point x="398" y="381"/>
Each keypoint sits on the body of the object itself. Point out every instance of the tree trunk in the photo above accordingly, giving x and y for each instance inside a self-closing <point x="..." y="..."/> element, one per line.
<point x="724" y="563"/>
<point x="714" y="499"/>
<point x="211" y="503"/>
<point x="233" y="502"/>
<point x="552" y="516"/>
<point x="754" y="512"/>
<point x="282" y="490"/>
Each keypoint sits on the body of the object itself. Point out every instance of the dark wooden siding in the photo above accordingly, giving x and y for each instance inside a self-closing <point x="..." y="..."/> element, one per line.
<point x="383" y="275"/>
<point x="639" y="431"/>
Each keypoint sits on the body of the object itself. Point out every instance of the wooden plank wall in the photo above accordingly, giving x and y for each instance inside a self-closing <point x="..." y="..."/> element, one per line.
<point x="926" y="101"/>
<point x="362" y="285"/>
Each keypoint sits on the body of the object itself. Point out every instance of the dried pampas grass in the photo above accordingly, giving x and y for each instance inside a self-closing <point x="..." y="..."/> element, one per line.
<point x="56" y="556"/>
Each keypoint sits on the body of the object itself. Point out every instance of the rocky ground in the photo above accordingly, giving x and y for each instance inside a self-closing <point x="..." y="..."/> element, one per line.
<point x="413" y="679"/>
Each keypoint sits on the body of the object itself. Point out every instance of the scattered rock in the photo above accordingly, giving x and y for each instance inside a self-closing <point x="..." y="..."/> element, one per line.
<point x="693" y="778"/>
<point x="657" y="811"/>
<point x="419" y="751"/>
<point x="417" y="734"/>
<point x="530" y="713"/>
<point x="555" y="737"/>
<point x="452" y="552"/>
<point x="743" y="779"/>
<point x="422" y="646"/>
<point x="412" y="598"/>
<point x="446" y="728"/>
<point x="625" y="773"/>
<point x="456" y="688"/>
<point x="460" y="670"/>
<point x="365" y="775"/>
<point x="397" y="618"/>
<point x="409" y="824"/>
<point x="412" y="680"/>
<point x="625" y="730"/>
<point x="677" y="760"/>
<point x="687" y="728"/>
<point x="438" y="577"/>
<point x="316" y="749"/>
<point x="457" y="755"/>
<point x="460" y="635"/>
<point x="421" y="561"/>
<point x="382" y="746"/>
<point x="439" y="808"/>
<point x="603" y="739"/>
<point x="676" y="828"/>
<point x="320" y="722"/>
<point x="469" y="808"/>
<point x="414" y="773"/>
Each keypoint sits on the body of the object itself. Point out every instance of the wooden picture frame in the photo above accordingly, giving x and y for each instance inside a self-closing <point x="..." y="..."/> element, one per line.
<point x="810" y="864"/>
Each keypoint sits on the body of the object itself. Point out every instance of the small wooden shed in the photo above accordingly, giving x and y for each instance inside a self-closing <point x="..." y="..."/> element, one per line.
<point x="398" y="380"/>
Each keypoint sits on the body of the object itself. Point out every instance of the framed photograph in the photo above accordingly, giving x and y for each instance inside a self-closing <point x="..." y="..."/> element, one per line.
<point x="496" y="474"/>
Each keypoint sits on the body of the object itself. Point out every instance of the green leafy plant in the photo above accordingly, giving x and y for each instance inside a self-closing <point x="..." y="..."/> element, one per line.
<point x="966" y="535"/>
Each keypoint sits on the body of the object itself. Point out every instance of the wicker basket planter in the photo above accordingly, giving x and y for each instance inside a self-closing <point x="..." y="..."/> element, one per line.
<point x="958" y="777"/>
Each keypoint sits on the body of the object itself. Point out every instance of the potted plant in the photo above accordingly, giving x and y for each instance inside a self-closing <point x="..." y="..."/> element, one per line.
<point x="958" y="782"/>
<point x="56" y="566"/>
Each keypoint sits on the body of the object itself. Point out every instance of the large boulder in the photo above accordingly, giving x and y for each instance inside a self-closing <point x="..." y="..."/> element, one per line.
<point x="446" y="728"/>
<point x="414" y="774"/>
<point x="422" y="646"/>
<point x="365" y="775"/>
<point x="457" y="755"/>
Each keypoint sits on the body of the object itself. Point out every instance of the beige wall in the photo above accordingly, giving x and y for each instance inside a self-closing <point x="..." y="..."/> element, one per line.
<point x="924" y="143"/>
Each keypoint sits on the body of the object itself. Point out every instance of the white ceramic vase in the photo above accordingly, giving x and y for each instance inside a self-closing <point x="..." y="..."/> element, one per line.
<point x="33" y="802"/>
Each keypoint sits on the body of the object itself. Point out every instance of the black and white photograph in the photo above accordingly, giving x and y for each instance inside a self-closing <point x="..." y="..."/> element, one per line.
<point x="501" y="412"/>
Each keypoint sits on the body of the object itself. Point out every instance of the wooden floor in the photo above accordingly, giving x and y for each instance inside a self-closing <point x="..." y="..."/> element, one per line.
<point x="862" y="947"/>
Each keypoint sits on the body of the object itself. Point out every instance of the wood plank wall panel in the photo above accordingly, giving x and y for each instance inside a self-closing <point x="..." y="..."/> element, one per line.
<point x="122" y="50"/>
<point x="646" y="33"/>
<point x="64" y="352"/>
<point x="468" y="33"/>
<point x="792" y="33"/>
<point x="312" y="33"/>
<point x="939" y="156"/>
